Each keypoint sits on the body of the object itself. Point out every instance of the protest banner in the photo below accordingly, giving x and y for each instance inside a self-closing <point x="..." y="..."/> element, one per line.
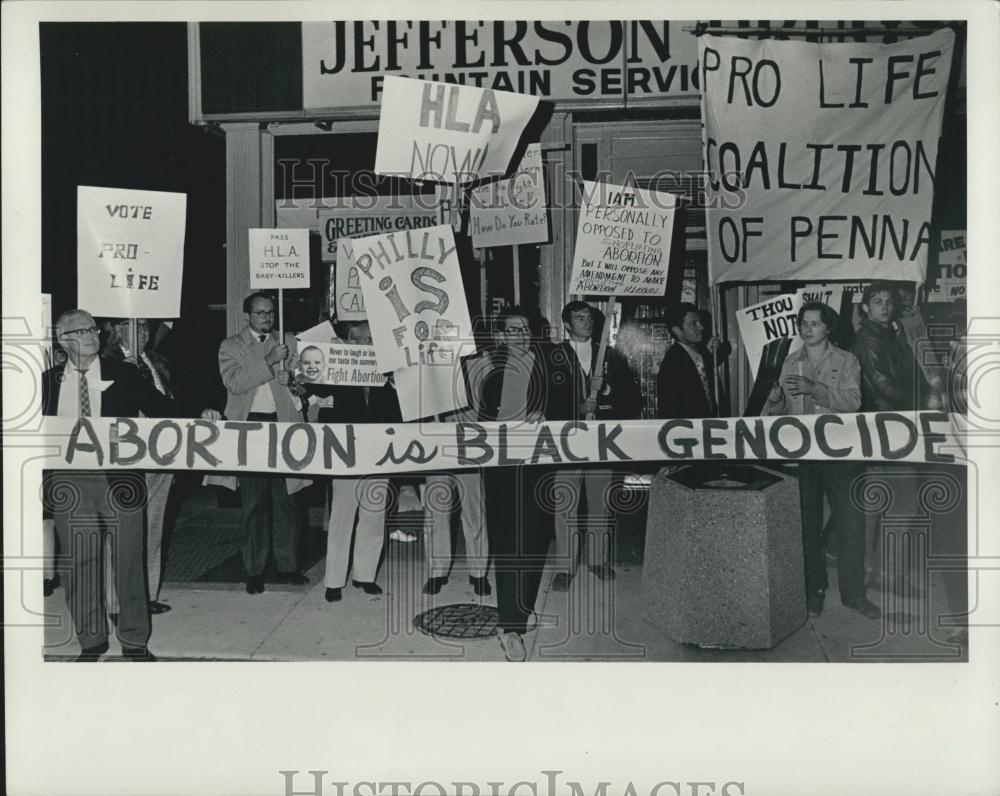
<point x="444" y="132"/>
<point x="951" y="281"/>
<point x="317" y="449"/>
<point x="513" y="211"/>
<point x="350" y="301"/>
<point x="333" y="218"/>
<point x="622" y="241"/>
<point x="130" y="252"/>
<point x="279" y="258"/>
<point x="339" y="363"/>
<point x="820" y="158"/>
<point x="777" y="317"/>
<point x="414" y="296"/>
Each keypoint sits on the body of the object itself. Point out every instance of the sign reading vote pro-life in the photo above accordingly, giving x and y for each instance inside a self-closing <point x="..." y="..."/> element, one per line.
<point x="130" y="252"/>
<point x="622" y="241"/>
<point x="414" y="296"/>
<point x="279" y="258"/>
<point x="444" y="132"/>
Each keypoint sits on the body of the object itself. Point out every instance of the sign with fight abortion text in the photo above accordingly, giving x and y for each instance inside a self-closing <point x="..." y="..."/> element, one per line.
<point x="820" y="158"/>
<point x="339" y="363"/>
<point x="622" y="241"/>
<point x="511" y="212"/>
<point x="333" y="218"/>
<point x="951" y="281"/>
<point x="444" y="132"/>
<point x="414" y="296"/>
<point x="777" y="317"/>
<point x="320" y="449"/>
<point x="129" y="252"/>
<point x="279" y="258"/>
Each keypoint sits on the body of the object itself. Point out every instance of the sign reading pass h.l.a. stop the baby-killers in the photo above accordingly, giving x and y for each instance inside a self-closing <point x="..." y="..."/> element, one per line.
<point x="279" y="258"/>
<point x="130" y="252"/>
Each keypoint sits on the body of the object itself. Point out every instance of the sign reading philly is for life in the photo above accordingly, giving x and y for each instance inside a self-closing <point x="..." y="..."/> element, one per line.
<point x="130" y="252"/>
<point x="414" y="296"/>
<point x="445" y="132"/>
<point x="622" y="241"/>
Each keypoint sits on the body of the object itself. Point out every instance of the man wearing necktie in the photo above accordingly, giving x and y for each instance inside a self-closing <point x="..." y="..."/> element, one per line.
<point x="255" y="366"/>
<point x="89" y="505"/>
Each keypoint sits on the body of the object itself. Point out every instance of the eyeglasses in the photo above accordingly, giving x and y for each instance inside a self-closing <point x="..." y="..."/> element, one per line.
<point x="517" y="330"/>
<point x="87" y="330"/>
<point x="263" y="313"/>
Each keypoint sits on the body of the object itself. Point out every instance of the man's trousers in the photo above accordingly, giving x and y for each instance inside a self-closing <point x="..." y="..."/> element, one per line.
<point x="440" y="489"/>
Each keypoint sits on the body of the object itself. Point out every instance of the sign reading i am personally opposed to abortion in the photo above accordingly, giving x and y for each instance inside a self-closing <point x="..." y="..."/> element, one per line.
<point x="510" y="212"/>
<point x="414" y="296"/>
<point x="622" y="241"/>
<point x="279" y="258"/>
<point x="820" y="158"/>
<point x="444" y="132"/>
<point x="129" y="252"/>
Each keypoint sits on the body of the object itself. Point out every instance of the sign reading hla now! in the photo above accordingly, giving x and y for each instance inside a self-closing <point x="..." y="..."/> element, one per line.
<point x="279" y="258"/>
<point x="129" y="252"/>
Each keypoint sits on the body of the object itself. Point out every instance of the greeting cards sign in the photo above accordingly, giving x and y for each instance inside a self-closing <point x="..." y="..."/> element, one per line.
<point x="130" y="252"/>
<point x="279" y="258"/>
<point x="445" y="132"/>
<point x="820" y="158"/>
<point x="622" y="241"/>
<point x="414" y="296"/>
<point x="509" y="212"/>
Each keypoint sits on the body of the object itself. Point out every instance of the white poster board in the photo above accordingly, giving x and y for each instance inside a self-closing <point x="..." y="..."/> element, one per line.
<point x="339" y="363"/>
<point x="513" y="211"/>
<point x="952" y="257"/>
<point x="622" y="241"/>
<point x="279" y="258"/>
<point x="429" y="390"/>
<point x="414" y="296"/>
<point x="130" y="252"/>
<point x="445" y="132"/>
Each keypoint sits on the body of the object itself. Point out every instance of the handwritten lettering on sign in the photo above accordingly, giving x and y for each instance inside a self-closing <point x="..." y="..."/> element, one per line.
<point x="130" y="249"/>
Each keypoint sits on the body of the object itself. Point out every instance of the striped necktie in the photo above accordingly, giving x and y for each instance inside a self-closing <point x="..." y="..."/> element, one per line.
<point x="84" y="394"/>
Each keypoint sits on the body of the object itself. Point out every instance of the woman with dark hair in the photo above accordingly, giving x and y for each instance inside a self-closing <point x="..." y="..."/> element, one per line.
<point x="820" y="378"/>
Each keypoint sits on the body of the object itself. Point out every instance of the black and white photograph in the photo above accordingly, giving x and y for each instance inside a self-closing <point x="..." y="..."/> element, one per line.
<point x="385" y="346"/>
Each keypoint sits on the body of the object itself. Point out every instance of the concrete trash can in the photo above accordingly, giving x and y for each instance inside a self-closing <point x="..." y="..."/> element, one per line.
<point x="723" y="563"/>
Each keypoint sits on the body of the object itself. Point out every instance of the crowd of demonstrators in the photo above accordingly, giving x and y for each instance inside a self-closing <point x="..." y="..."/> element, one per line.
<point x="511" y="515"/>
<point x="575" y="391"/>
<point x="87" y="384"/>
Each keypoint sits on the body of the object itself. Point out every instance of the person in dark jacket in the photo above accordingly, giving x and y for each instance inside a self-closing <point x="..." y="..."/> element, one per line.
<point x="518" y="525"/>
<point x="685" y="384"/>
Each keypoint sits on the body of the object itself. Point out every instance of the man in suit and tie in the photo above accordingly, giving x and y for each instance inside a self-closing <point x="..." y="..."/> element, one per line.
<point x="685" y="385"/>
<point x="88" y="505"/>
<point x="255" y="367"/>
<point x="571" y="379"/>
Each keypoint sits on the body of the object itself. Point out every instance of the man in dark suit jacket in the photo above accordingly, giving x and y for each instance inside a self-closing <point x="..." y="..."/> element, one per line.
<point x="87" y="385"/>
<point x="685" y="385"/>
<point x="571" y="380"/>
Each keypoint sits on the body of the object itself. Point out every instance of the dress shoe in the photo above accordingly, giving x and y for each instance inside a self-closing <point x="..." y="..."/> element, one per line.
<point x="481" y="586"/>
<point x="92" y="654"/>
<point x="333" y="595"/>
<point x="863" y="606"/>
<point x="368" y="588"/>
<point x="513" y="646"/>
<point x="433" y="585"/>
<point x="814" y="602"/>
<point x="49" y="585"/>
<point x="297" y="579"/>
<point x="156" y="607"/>
<point x="561" y="581"/>
<point x="255" y="584"/>
<point x="138" y="654"/>
<point x="603" y="572"/>
<point x="399" y="535"/>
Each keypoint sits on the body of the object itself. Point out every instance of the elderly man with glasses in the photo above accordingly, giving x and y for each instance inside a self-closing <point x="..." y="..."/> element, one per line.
<point x="89" y="385"/>
<point x="255" y="367"/>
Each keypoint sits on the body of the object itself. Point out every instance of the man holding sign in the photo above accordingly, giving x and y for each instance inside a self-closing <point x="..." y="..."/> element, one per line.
<point x="252" y="365"/>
